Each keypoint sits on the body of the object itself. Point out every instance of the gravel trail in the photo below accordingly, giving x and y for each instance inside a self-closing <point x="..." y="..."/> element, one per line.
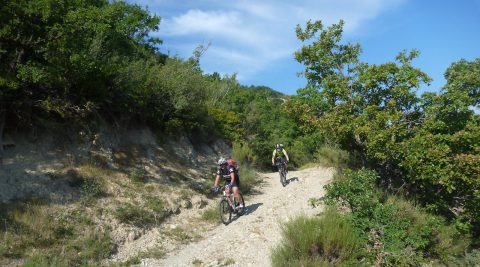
<point x="247" y="241"/>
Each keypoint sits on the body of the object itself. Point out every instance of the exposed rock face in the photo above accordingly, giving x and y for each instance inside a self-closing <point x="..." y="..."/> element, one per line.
<point x="43" y="169"/>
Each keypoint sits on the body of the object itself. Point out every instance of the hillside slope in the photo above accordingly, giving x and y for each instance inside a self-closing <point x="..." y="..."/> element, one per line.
<point x="57" y="196"/>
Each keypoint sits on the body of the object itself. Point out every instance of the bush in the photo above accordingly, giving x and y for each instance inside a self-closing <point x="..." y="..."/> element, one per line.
<point x="92" y="188"/>
<point x="397" y="232"/>
<point x="93" y="182"/>
<point x="354" y="188"/>
<point x="332" y="157"/>
<point x="303" y="148"/>
<point x="248" y="179"/>
<point x="243" y="153"/>
<point x="471" y="258"/>
<point x="134" y="215"/>
<point x="318" y="241"/>
<point x="411" y="236"/>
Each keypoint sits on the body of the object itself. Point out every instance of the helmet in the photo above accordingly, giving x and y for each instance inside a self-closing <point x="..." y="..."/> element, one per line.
<point x="277" y="146"/>
<point x="222" y="161"/>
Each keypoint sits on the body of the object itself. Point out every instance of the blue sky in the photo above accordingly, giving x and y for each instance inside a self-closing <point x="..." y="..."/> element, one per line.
<point x="256" y="38"/>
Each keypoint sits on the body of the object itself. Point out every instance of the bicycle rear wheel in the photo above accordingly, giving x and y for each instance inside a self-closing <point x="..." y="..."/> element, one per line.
<point x="240" y="210"/>
<point x="225" y="211"/>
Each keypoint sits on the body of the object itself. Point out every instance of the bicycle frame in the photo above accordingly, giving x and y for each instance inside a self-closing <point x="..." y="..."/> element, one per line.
<point x="229" y="196"/>
<point x="281" y="166"/>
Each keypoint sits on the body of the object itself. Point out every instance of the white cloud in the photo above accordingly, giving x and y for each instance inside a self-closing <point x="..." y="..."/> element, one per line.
<point x="247" y="35"/>
<point x="228" y="27"/>
<point x="197" y="21"/>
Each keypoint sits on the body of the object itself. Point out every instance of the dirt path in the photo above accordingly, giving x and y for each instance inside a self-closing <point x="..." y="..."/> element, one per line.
<point x="259" y="229"/>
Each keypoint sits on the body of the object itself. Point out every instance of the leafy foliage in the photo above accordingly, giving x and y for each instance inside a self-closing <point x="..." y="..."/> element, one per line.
<point x="428" y="145"/>
<point x="354" y="189"/>
<point x="333" y="157"/>
<point x="254" y="117"/>
<point x="396" y="232"/>
<point x="82" y="60"/>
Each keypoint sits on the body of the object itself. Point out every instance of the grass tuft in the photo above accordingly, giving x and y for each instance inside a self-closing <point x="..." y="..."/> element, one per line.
<point x="134" y="215"/>
<point x="318" y="241"/>
<point x="138" y="178"/>
<point x="179" y="234"/>
<point x="197" y="262"/>
<point x="211" y="215"/>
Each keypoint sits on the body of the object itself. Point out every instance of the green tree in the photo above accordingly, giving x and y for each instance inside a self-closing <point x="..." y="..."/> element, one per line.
<point x="428" y="146"/>
<point x="442" y="159"/>
<point x="359" y="106"/>
<point x="64" y="54"/>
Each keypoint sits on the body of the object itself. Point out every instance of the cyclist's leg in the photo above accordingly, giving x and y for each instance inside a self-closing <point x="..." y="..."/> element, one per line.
<point x="236" y="186"/>
<point x="284" y="162"/>
<point x="228" y="192"/>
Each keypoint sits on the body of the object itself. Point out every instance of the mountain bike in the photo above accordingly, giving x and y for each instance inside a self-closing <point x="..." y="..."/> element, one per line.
<point x="282" y="171"/>
<point x="227" y="206"/>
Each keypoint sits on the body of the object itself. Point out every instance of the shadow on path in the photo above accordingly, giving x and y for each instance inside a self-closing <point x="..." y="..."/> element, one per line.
<point x="248" y="209"/>
<point x="291" y="180"/>
<point x="251" y="208"/>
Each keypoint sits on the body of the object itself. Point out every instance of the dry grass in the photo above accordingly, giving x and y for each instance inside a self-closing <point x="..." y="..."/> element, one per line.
<point x="49" y="235"/>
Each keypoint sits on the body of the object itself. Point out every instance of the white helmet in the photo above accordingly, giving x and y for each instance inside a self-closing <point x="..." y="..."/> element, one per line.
<point x="222" y="161"/>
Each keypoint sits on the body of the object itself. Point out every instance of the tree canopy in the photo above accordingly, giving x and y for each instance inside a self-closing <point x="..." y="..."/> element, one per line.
<point x="428" y="145"/>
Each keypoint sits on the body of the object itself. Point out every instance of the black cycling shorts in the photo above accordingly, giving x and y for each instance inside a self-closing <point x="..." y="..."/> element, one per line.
<point x="236" y="183"/>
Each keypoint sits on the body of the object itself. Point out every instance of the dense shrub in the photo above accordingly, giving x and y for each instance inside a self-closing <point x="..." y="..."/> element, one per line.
<point x="329" y="156"/>
<point x="303" y="148"/>
<point x="355" y="189"/>
<point x="397" y="233"/>
<point x="248" y="178"/>
<point x="243" y="153"/>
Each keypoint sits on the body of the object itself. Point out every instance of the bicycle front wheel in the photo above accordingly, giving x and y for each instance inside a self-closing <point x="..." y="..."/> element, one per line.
<point x="281" y="172"/>
<point x="225" y="211"/>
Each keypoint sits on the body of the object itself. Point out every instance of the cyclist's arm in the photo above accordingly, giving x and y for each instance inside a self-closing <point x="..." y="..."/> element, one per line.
<point x="273" y="157"/>
<point x="217" y="178"/>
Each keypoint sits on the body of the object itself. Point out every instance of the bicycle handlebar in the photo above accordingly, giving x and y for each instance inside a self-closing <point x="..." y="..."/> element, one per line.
<point x="219" y="188"/>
